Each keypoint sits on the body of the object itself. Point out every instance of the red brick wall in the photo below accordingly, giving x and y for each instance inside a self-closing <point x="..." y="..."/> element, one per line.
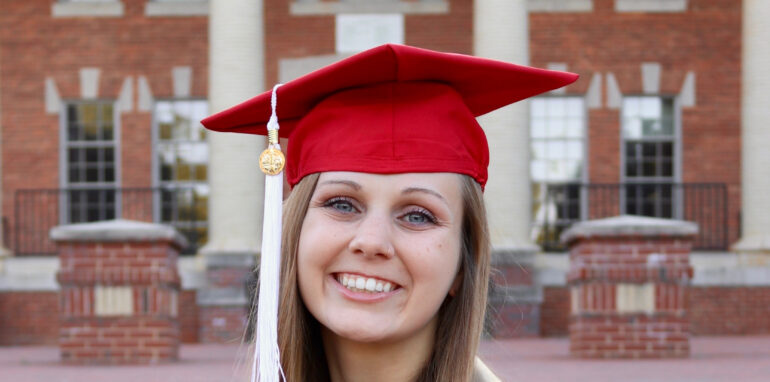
<point x="713" y="311"/>
<point x="29" y="318"/>
<point x="705" y="39"/>
<point x="730" y="310"/>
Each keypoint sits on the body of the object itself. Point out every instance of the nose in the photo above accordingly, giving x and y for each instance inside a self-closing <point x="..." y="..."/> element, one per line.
<point x="373" y="237"/>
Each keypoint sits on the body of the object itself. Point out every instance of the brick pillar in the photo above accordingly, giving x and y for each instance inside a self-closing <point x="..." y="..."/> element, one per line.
<point x="628" y="279"/>
<point x="514" y="296"/>
<point x="119" y="290"/>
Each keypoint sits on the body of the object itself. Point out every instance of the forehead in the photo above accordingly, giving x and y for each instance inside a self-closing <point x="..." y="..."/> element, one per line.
<point x="447" y="185"/>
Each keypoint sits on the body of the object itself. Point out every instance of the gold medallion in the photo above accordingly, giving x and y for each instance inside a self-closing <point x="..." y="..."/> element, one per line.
<point x="271" y="161"/>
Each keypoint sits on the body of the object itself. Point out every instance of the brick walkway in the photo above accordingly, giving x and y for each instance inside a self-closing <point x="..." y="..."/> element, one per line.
<point x="733" y="359"/>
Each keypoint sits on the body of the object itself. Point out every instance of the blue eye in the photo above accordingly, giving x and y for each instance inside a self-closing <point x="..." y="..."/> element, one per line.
<point x="418" y="217"/>
<point x="340" y="204"/>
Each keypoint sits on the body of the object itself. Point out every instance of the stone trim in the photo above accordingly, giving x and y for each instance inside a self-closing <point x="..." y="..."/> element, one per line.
<point x="117" y="231"/>
<point x="313" y="8"/>
<point x="89" y="83"/>
<point x="87" y="9"/>
<point x="687" y="94"/>
<point x="176" y="9"/>
<point x="628" y="225"/>
<point x="52" y="98"/>
<point x="553" y="6"/>
<point x="144" y="102"/>
<point x="614" y="95"/>
<point x="651" y="77"/>
<point x="126" y="95"/>
<point x="182" y="81"/>
<point x="650" y="5"/>
<point x="594" y="93"/>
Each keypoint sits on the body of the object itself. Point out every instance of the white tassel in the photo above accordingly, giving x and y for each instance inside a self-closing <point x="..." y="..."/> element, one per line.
<point x="267" y="356"/>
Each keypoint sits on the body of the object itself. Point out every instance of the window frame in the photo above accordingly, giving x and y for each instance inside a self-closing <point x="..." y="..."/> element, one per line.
<point x="64" y="146"/>
<point x="585" y="170"/>
<point x="159" y="184"/>
<point x="676" y="179"/>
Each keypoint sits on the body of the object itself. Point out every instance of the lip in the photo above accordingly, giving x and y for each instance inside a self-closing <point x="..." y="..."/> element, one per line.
<point x="362" y="296"/>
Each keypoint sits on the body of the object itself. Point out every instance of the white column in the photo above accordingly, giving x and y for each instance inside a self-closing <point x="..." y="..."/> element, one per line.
<point x="236" y="73"/>
<point x="501" y="32"/>
<point x="755" y="155"/>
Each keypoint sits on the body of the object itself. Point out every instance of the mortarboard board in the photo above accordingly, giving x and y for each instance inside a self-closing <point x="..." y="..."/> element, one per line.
<point x="390" y="109"/>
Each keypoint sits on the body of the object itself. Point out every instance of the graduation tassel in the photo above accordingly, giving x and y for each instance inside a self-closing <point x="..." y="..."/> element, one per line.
<point x="267" y="356"/>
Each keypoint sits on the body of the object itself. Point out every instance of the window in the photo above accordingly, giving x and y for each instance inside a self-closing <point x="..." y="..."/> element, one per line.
<point x="180" y="167"/>
<point x="557" y="165"/>
<point x="90" y="160"/>
<point x="649" y="156"/>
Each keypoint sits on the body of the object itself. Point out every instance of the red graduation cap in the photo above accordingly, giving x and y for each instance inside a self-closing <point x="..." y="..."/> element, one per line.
<point x="391" y="109"/>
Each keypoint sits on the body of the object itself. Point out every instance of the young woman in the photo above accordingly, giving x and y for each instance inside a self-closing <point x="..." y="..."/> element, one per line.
<point x="385" y="250"/>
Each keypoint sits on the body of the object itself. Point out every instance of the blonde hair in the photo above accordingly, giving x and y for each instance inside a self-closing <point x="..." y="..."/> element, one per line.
<point x="461" y="317"/>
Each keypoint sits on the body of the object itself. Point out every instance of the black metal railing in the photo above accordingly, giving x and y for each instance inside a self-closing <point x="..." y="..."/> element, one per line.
<point x="37" y="211"/>
<point x="702" y="203"/>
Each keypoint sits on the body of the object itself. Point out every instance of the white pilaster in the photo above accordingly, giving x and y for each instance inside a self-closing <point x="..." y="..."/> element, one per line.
<point x="501" y="32"/>
<point x="755" y="187"/>
<point x="236" y="58"/>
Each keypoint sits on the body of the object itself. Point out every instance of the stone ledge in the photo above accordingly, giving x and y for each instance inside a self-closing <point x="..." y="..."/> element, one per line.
<point x="627" y="225"/>
<point x="313" y="8"/>
<point x="177" y="9"/>
<point x="117" y="230"/>
<point x="560" y="6"/>
<point x="651" y="5"/>
<point x="222" y="296"/>
<point x="87" y="9"/>
<point x="753" y="243"/>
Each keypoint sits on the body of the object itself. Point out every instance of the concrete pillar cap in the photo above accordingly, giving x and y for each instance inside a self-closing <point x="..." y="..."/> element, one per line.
<point x="116" y="231"/>
<point x="628" y="225"/>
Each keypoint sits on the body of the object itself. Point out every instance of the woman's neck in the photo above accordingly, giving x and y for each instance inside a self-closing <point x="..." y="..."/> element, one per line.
<point x="397" y="361"/>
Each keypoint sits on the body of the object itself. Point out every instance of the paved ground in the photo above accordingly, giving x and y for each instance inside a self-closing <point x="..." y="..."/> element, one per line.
<point x="733" y="359"/>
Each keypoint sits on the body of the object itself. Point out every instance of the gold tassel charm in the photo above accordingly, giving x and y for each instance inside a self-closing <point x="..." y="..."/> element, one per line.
<point x="272" y="160"/>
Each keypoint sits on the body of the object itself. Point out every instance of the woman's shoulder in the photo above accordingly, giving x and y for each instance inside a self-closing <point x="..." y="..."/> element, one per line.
<point x="482" y="373"/>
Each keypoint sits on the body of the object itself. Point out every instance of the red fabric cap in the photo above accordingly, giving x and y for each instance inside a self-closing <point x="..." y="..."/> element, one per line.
<point x="391" y="109"/>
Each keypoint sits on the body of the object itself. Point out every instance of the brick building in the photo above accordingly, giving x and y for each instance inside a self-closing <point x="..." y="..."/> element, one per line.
<point x="99" y="103"/>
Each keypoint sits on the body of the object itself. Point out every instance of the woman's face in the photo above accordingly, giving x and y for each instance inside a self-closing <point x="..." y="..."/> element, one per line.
<point x="378" y="254"/>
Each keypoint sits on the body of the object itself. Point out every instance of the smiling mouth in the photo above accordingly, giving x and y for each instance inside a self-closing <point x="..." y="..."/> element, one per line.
<point x="362" y="284"/>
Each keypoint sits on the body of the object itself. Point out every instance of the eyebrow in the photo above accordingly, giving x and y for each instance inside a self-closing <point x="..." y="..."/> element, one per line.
<point x="423" y="190"/>
<point x="348" y="183"/>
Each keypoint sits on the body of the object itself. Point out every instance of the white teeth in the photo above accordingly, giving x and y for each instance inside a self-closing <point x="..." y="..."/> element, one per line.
<point x="363" y="284"/>
<point x="370" y="284"/>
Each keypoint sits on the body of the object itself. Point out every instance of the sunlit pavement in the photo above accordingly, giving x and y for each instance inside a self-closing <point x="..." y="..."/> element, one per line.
<point x="734" y="359"/>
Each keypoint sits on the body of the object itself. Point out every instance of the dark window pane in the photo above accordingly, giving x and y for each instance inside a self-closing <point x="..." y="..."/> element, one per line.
<point x="92" y="174"/>
<point x="107" y="132"/>
<point x="73" y="132"/>
<point x="72" y="113"/>
<point x="630" y="149"/>
<point x="109" y="155"/>
<point x="648" y="168"/>
<point x="93" y="214"/>
<point x="109" y="173"/>
<point x="667" y="149"/>
<point x="631" y="169"/>
<point x="74" y="174"/>
<point x="92" y="156"/>
<point x="74" y="156"/>
<point x="648" y="150"/>
<point x="667" y="169"/>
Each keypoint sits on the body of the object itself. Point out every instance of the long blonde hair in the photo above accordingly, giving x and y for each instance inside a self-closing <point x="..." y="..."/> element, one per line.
<point x="461" y="317"/>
